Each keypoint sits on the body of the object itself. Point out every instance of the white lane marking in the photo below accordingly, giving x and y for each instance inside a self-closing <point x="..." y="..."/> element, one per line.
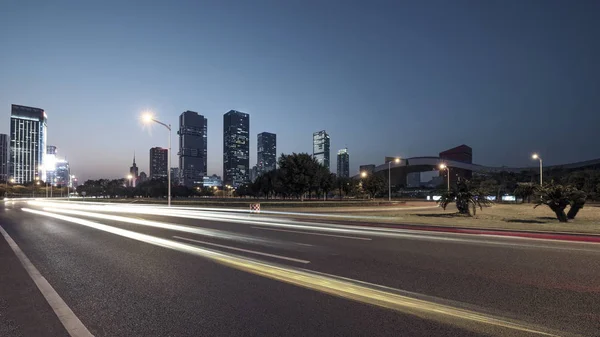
<point x="244" y="250"/>
<point x="66" y="316"/>
<point x="307" y="233"/>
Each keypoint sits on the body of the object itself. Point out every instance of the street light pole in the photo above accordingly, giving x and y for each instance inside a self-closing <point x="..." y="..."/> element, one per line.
<point x="445" y="167"/>
<point x="396" y="161"/>
<point x="149" y="118"/>
<point x="536" y="156"/>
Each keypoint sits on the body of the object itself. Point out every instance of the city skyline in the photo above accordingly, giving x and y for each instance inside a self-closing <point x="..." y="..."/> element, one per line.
<point x="410" y="91"/>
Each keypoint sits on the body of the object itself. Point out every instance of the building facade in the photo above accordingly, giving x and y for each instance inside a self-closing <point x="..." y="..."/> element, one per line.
<point x="62" y="172"/>
<point x="192" y="148"/>
<point x="266" y="158"/>
<point x="321" y="143"/>
<point x="212" y="181"/>
<point x="236" y="148"/>
<point x="50" y="163"/>
<point x="367" y="168"/>
<point x="4" y="161"/>
<point x="28" y="133"/>
<point x="343" y="163"/>
<point x="159" y="163"/>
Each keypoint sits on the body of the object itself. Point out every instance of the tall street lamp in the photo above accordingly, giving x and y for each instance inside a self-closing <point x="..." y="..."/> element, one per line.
<point x="130" y="177"/>
<point x="445" y="167"/>
<point x="396" y="161"/>
<point x="536" y="156"/>
<point x="148" y="118"/>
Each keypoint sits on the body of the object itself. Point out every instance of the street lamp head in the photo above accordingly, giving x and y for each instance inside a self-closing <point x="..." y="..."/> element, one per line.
<point x="363" y="174"/>
<point x="443" y="166"/>
<point x="37" y="178"/>
<point x="129" y="176"/>
<point x="535" y="156"/>
<point x="37" y="183"/>
<point x="147" y="117"/>
<point x="12" y="180"/>
<point x="397" y="160"/>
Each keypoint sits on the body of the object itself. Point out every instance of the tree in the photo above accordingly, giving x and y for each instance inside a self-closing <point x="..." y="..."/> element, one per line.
<point x="464" y="196"/>
<point x="298" y="172"/>
<point x="525" y="190"/>
<point x="556" y="197"/>
<point x="340" y="183"/>
<point x="373" y="184"/>
<point x="577" y="200"/>
<point x="327" y="181"/>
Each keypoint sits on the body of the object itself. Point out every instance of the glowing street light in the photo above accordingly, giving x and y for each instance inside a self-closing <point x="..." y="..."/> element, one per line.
<point x="396" y="161"/>
<point x="148" y="118"/>
<point x="363" y="174"/>
<point x="445" y="167"/>
<point x="536" y="156"/>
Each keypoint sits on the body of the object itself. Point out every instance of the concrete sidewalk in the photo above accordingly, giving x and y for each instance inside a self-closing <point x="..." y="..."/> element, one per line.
<point x="23" y="309"/>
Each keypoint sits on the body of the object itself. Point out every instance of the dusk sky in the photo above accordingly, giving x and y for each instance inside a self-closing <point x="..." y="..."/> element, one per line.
<point x="382" y="77"/>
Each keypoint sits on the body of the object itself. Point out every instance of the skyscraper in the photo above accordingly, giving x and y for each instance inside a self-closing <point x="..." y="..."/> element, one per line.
<point x="192" y="148"/>
<point x="321" y="147"/>
<point x="343" y="163"/>
<point x="28" y="132"/>
<point x="236" y="148"/>
<point x="4" y="157"/>
<point x="50" y="163"/>
<point x="159" y="164"/>
<point x="266" y="159"/>
<point x="133" y="171"/>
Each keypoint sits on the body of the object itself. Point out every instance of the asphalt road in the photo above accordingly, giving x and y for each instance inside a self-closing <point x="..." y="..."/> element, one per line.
<point x="150" y="271"/>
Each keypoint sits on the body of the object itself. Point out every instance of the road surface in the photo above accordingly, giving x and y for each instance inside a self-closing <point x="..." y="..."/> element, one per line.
<point x="135" y="270"/>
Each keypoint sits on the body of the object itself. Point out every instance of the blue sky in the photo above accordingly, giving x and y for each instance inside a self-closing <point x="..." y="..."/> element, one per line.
<point x="382" y="77"/>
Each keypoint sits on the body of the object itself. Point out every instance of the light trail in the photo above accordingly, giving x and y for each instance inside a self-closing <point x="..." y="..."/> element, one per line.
<point x="345" y="288"/>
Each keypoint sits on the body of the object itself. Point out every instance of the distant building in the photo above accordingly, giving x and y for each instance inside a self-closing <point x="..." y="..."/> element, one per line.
<point x="50" y="163"/>
<point x="413" y="179"/>
<point x="321" y="147"/>
<point x="367" y="168"/>
<point x="212" y="181"/>
<point x="4" y="162"/>
<point x="143" y="177"/>
<point x="175" y="176"/>
<point x="266" y="145"/>
<point x="343" y="163"/>
<point x="28" y="133"/>
<point x="462" y="153"/>
<point x="133" y="171"/>
<point x="254" y="173"/>
<point x="192" y="148"/>
<point x="236" y="148"/>
<point x="159" y="163"/>
<point x="61" y="174"/>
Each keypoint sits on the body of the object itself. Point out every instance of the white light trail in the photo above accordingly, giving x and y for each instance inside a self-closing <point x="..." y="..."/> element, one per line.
<point x="345" y="288"/>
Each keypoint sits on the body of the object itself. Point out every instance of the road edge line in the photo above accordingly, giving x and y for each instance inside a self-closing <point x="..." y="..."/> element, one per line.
<point x="67" y="317"/>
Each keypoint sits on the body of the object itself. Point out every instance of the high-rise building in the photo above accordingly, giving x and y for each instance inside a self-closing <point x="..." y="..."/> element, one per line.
<point x="159" y="164"/>
<point x="321" y="147"/>
<point x="253" y="173"/>
<point x="62" y="173"/>
<point x="192" y="148"/>
<point x="50" y="163"/>
<point x="266" y="159"/>
<point x="133" y="171"/>
<point x="4" y="157"/>
<point x="236" y="148"/>
<point x="143" y="177"/>
<point x="343" y="163"/>
<point x="28" y="132"/>
<point x="175" y="176"/>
